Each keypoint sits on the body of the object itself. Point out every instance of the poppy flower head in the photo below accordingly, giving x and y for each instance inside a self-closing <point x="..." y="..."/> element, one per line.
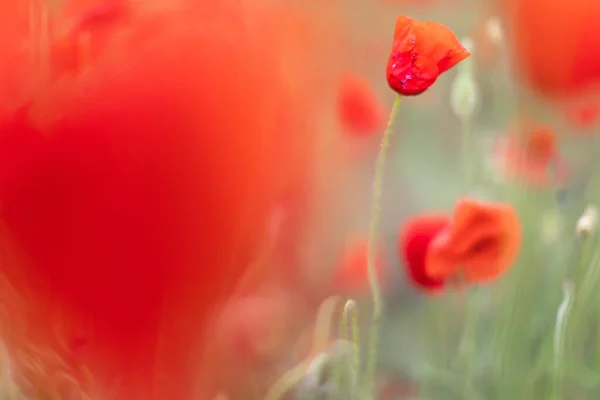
<point x="534" y="159"/>
<point x="481" y="242"/>
<point x="421" y="51"/>
<point x="541" y="145"/>
<point x="413" y="244"/>
<point x="359" y="109"/>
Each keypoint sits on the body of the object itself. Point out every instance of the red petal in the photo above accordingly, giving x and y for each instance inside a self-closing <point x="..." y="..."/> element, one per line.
<point x="413" y="244"/>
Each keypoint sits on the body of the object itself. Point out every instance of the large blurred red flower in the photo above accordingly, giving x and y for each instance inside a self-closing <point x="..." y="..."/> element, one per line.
<point x="556" y="44"/>
<point x="421" y="51"/>
<point x="136" y="178"/>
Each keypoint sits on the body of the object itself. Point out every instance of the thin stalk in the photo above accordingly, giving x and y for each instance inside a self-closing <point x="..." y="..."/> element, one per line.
<point x="466" y="159"/>
<point x="373" y="230"/>
<point x="465" y="350"/>
<point x="562" y="316"/>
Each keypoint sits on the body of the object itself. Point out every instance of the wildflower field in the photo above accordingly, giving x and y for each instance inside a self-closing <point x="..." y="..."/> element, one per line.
<point x="299" y="200"/>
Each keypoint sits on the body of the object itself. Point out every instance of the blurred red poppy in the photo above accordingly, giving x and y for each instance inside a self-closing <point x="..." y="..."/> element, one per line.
<point x="135" y="187"/>
<point x="533" y="159"/>
<point x="359" y="109"/>
<point x="555" y="44"/>
<point x="413" y="244"/>
<point x="421" y="51"/>
<point x="477" y="243"/>
<point x="481" y="242"/>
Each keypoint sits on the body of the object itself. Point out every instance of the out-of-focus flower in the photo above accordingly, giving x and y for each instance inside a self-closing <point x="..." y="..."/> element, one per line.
<point x="359" y="110"/>
<point x="421" y="51"/>
<point x="534" y="158"/>
<point x="413" y="245"/>
<point x="555" y="44"/>
<point x="583" y="116"/>
<point x="481" y="242"/>
<point x="586" y="225"/>
<point x="478" y="243"/>
<point x="464" y="95"/>
<point x="135" y="187"/>
<point x="351" y="274"/>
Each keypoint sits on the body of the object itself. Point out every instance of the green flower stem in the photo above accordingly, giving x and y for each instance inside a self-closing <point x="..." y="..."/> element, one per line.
<point x="465" y="353"/>
<point x="373" y="230"/>
<point x="466" y="347"/>
<point x="511" y="359"/>
<point x="585" y="282"/>
<point x="466" y="155"/>
<point x="562" y="317"/>
<point x="350" y="318"/>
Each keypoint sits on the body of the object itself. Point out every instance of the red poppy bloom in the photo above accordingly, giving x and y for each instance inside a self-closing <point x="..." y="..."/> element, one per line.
<point x="555" y="44"/>
<point x="129" y="178"/>
<point x="534" y="159"/>
<point x="421" y="51"/>
<point x="413" y="244"/>
<point x="480" y="243"/>
<point x="477" y="243"/>
<point x="359" y="109"/>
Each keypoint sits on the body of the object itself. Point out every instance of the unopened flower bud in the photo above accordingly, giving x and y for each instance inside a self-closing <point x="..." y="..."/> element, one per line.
<point x="586" y="225"/>
<point x="464" y="94"/>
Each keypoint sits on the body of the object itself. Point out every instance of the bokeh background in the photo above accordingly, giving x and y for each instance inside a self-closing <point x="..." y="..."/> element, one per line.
<point x="183" y="183"/>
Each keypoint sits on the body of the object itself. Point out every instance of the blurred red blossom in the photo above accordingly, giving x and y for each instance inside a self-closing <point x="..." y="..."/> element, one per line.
<point x="360" y="111"/>
<point x="421" y="51"/>
<point x="130" y="198"/>
<point x="556" y="44"/>
<point x="533" y="158"/>
<point x="476" y="244"/>
<point x="413" y="244"/>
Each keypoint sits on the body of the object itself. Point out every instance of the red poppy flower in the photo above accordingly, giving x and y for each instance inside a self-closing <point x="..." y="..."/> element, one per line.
<point x="128" y="181"/>
<point x="480" y="243"/>
<point x="555" y="44"/>
<point x="359" y="109"/>
<point x="534" y="159"/>
<point x="421" y="51"/>
<point x="413" y="244"/>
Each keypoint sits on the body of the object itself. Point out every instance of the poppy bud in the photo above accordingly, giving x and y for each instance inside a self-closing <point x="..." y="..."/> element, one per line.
<point x="586" y="225"/>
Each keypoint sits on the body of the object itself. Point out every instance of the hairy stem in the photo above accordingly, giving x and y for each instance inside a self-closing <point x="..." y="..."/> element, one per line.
<point x="373" y="230"/>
